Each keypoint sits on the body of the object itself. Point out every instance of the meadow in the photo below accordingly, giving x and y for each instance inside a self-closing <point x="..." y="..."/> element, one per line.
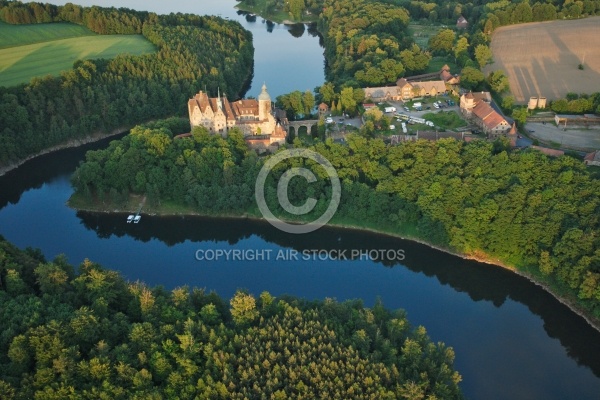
<point x="19" y="35"/>
<point x="47" y="49"/>
<point x="542" y="58"/>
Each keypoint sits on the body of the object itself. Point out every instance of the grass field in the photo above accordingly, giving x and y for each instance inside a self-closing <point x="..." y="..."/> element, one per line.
<point x="448" y="120"/>
<point x="436" y="64"/>
<point x="19" y="35"/>
<point x="20" y="63"/>
<point x="542" y="58"/>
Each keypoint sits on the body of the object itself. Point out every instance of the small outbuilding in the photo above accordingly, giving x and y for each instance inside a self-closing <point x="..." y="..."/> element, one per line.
<point x="462" y="23"/>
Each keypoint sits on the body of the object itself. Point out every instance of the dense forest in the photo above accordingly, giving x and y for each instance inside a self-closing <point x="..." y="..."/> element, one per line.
<point x="94" y="335"/>
<point x="367" y="43"/>
<point x="483" y="199"/>
<point x="193" y="53"/>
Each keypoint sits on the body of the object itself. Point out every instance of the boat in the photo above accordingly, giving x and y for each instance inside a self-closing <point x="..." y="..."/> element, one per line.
<point x="137" y="219"/>
<point x="130" y="218"/>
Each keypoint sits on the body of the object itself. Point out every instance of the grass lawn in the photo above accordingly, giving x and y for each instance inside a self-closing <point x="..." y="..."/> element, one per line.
<point x="445" y="119"/>
<point x="438" y="62"/>
<point x="20" y="64"/>
<point x="19" y="35"/>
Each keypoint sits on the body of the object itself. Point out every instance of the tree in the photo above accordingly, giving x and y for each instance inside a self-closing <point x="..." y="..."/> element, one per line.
<point x="520" y="115"/>
<point x="483" y="55"/>
<point x="243" y="308"/>
<point x="471" y="78"/>
<point x="327" y="90"/>
<point x="347" y="100"/>
<point x="308" y="100"/>
<point x="498" y="81"/>
<point x="461" y="48"/>
<point x="522" y="13"/>
<point x="442" y="41"/>
<point x="508" y="102"/>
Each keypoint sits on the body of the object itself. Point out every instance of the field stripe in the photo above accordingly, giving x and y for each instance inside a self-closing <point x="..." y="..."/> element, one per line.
<point x="20" y="64"/>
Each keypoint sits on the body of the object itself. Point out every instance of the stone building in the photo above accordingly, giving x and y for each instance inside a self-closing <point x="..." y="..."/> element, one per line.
<point x="251" y="116"/>
<point x="477" y="107"/>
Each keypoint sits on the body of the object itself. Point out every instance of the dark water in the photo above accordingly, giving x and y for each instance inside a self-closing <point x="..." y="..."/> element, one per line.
<point x="512" y="339"/>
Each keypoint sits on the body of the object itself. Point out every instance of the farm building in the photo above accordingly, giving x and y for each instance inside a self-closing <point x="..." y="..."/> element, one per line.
<point x="536" y="102"/>
<point x="433" y="84"/>
<point x="592" y="158"/>
<point x="585" y="119"/>
<point x="447" y="77"/>
<point x="462" y="23"/>
<point x="478" y="108"/>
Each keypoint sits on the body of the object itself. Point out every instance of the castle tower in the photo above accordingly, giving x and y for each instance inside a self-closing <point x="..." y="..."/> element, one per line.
<point x="264" y="104"/>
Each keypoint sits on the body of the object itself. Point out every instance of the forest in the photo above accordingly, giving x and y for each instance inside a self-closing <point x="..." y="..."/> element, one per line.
<point x="483" y="199"/>
<point x="193" y="53"/>
<point x="91" y="334"/>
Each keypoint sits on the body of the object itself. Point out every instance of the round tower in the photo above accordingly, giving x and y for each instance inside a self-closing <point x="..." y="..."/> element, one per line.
<point x="264" y="103"/>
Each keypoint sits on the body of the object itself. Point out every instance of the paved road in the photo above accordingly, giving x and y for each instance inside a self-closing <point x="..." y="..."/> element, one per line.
<point x="579" y="139"/>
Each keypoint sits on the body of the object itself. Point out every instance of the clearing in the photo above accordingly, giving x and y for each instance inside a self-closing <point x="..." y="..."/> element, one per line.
<point x="542" y="58"/>
<point x="422" y="33"/>
<point x="20" y="63"/>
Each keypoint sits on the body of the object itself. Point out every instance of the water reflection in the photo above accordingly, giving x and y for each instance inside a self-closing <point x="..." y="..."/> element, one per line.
<point x="481" y="282"/>
<point x="44" y="169"/>
<point x="270" y="25"/>
<point x="296" y="30"/>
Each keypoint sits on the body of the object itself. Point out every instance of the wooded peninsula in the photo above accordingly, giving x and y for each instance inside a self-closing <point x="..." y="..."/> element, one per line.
<point x="91" y="334"/>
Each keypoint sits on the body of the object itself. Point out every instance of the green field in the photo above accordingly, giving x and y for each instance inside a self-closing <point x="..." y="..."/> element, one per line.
<point x="448" y="120"/>
<point x="437" y="63"/>
<point x="19" y="35"/>
<point x="20" y="63"/>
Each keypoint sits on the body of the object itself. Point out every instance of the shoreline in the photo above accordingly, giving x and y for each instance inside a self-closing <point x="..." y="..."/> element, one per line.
<point x="71" y="143"/>
<point x="568" y="302"/>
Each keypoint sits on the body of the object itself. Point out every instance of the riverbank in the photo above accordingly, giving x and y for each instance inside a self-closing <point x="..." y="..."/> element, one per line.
<point x="71" y="143"/>
<point x="77" y="202"/>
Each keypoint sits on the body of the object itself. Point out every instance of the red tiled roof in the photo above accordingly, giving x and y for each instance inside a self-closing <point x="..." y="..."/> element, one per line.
<point x="490" y="117"/>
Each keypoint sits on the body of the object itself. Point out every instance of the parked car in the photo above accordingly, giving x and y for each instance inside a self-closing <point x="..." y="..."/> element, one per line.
<point x="328" y="120"/>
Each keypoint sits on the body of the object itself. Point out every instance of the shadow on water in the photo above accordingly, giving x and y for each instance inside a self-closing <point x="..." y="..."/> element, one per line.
<point x="35" y="172"/>
<point x="482" y="282"/>
<point x="270" y="25"/>
<point x="296" y="30"/>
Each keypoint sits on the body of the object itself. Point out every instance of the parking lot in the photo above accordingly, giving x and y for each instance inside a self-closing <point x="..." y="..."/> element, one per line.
<point x="577" y="138"/>
<point x="427" y="107"/>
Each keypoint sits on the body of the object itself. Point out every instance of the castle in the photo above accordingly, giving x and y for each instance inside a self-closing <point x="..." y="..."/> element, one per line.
<point x="252" y="116"/>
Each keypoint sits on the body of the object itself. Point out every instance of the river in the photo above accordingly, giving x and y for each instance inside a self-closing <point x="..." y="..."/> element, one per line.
<point x="512" y="339"/>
